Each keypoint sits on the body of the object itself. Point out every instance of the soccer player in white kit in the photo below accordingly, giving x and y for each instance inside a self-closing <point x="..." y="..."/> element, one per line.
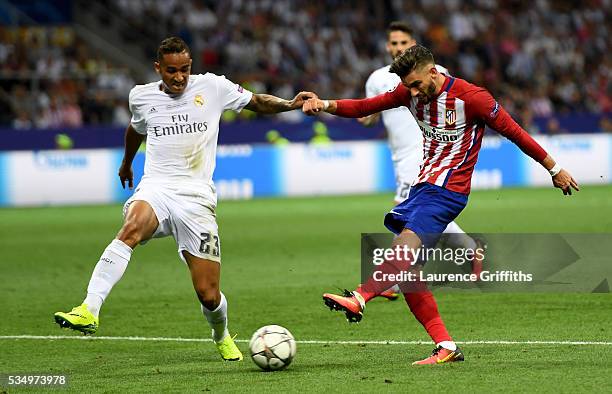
<point x="405" y="138"/>
<point x="180" y="116"/>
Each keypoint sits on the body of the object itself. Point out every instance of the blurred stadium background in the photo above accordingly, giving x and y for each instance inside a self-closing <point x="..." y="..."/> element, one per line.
<point x="66" y="67"/>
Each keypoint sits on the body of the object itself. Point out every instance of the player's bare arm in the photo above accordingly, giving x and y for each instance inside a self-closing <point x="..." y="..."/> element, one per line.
<point x="132" y="143"/>
<point x="269" y="104"/>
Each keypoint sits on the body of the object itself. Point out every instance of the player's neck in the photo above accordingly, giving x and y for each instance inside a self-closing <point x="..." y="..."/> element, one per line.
<point x="439" y="82"/>
<point x="164" y="88"/>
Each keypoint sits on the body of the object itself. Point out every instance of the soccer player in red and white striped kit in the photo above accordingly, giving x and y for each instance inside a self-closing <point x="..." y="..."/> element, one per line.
<point x="452" y="114"/>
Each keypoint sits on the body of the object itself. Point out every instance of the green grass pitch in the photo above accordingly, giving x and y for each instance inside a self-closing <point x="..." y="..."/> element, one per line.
<point x="279" y="256"/>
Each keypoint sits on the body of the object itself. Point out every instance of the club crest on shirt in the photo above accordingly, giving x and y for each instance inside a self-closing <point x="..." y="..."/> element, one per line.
<point x="198" y="100"/>
<point x="451" y="117"/>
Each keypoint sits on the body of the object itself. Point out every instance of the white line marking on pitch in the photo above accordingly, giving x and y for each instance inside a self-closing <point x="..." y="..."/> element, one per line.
<point x="308" y="342"/>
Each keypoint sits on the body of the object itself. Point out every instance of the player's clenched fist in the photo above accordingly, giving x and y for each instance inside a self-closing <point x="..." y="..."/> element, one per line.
<point x="299" y="100"/>
<point x="313" y="106"/>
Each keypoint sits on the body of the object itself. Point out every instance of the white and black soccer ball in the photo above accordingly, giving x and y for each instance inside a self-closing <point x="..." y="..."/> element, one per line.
<point x="272" y="348"/>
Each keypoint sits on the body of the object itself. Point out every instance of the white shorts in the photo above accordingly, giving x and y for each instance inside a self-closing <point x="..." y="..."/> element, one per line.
<point x="406" y="171"/>
<point x="186" y="213"/>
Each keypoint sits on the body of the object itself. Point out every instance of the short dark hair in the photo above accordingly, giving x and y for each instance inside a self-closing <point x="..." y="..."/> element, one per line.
<point x="400" y="26"/>
<point x="172" y="45"/>
<point x="411" y="59"/>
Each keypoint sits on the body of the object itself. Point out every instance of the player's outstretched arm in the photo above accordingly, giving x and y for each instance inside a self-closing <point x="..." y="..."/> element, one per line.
<point x="132" y="143"/>
<point x="484" y="106"/>
<point x="268" y="104"/>
<point x="357" y="108"/>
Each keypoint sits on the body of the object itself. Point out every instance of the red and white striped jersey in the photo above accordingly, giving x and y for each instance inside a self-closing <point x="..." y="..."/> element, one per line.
<point x="452" y="125"/>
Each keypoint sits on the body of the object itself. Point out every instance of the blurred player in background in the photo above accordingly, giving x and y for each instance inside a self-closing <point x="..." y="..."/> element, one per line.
<point x="406" y="140"/>
<point x="180" y="116"/>
<point x="452" y="114"/>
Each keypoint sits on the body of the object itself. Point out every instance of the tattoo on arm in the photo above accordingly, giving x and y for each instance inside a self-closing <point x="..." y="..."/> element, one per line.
<point x="268" y="104"/>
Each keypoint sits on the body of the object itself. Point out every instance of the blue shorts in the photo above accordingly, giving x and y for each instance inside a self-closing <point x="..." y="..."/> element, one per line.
<point x="427" y="211"/>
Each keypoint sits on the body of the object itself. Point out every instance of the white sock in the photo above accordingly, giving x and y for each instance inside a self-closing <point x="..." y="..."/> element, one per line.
<point x="457" y="238"/>
<point x="396" y="289"/>
<point x="450" y="345"/>
<point x="108" y="271"/>
<point x="217" y="319"/>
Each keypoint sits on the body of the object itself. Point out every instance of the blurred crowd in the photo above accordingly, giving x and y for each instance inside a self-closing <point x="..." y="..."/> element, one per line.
<point x="49" y="78"/>
<point x="539" y="58"/>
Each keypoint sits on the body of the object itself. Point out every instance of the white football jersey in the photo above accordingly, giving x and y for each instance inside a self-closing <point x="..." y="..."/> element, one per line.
<point x="182" y="129"/>
<point x="405" y="137"/>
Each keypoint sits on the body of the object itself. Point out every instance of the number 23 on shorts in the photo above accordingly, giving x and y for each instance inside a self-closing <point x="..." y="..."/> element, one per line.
<point x="205" y="245"/>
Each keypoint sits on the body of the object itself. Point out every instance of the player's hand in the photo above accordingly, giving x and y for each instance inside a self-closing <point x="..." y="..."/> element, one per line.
<point x="126" y="175"/>
<point x="369" y="120"/>
<point x="299" y="100"/>
<point x="313" y="106"/>
<point x="564" y="181"/>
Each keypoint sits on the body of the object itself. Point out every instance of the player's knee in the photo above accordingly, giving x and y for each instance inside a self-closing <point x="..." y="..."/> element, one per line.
<point x="209" y="296"/>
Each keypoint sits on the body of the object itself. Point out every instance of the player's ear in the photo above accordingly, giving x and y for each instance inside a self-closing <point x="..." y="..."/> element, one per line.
<point x="157" y="67"/>
<point x="433" y="72"/>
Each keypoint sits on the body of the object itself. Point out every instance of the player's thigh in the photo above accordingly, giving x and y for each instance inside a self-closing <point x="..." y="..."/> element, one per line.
<point x="139" y="224"/>
<point x="149" y="204"/>
<point x="195" y="228"/>
<point x="426" y="212"/>
<point x="407" y="238"/>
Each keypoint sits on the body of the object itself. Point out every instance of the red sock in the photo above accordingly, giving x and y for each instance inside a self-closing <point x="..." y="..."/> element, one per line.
<point x="367" y="295"/>
<point x="372" y="287"/>
<point x="423" y="305"/>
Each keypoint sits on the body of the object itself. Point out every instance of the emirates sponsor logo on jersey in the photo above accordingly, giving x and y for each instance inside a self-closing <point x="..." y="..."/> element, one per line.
<point x="198" y="100"/>
<point x="180" y="124"/>
<point x="451" y="117"/>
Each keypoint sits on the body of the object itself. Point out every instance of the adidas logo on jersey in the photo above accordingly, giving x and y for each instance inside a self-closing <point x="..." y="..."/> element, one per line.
<point x="152" y="110"/>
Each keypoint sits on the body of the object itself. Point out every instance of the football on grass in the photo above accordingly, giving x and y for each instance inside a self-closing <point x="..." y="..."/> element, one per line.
<point x="272" y="348"/>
